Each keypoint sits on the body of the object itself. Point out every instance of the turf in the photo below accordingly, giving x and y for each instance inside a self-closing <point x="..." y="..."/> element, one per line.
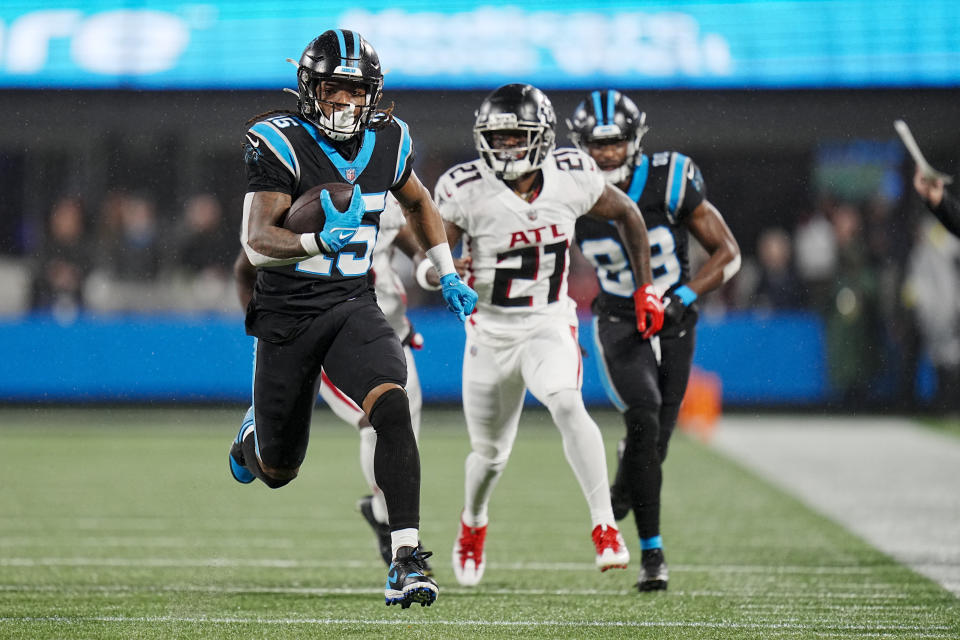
<point x="126" y="524"/>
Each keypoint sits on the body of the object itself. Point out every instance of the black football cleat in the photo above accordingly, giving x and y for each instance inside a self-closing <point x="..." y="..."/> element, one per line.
<point x="653" y="572"/>
<point x="380" y="529"/>
<point x="407" y="582"/>
<point x="619" y="492"/>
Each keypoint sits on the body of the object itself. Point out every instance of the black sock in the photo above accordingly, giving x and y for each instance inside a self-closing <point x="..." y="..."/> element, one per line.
<point x="396" y="460"/>
<point x="641" y="468"/>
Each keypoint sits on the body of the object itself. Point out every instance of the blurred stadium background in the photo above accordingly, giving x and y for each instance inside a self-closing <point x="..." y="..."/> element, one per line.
<point x="121" y="175"/>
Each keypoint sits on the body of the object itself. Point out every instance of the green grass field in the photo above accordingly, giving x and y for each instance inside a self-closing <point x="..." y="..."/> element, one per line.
<point x="126" y="524"/>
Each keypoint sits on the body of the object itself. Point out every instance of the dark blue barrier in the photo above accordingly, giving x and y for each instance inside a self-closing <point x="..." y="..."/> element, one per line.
<point x="761" y="359"/>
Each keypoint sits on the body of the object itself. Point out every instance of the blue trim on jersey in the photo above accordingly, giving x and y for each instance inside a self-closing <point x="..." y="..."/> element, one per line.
<point x="279" y="144"/>
<point x="596" y="106"/>
<point x="358" y="164"/>
<point x="639" y="180"/>
<point x="610" y="101"/>
<point x="677" y="184"/>
<point x="605" y="381"/>
<point x="406" y="142"/>
<point x="656" y="542"/>
<point x="342" y="43"/>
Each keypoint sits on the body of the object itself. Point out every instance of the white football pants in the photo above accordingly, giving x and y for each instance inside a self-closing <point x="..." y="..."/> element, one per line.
<point x="547" y="362"/>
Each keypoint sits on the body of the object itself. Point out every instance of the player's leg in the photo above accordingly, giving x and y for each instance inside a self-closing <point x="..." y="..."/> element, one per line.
<point x="414" y="392"/>
<point x="272" y="441"/>
<point x="368" y="363"/>
<point x="372" y="507"/>
<point x="631" y="367"/>
<point x="676" y="361"/>
<point x="674" y="372"/>
<point x="553" y="370"/>
<point x="493" y="394"/>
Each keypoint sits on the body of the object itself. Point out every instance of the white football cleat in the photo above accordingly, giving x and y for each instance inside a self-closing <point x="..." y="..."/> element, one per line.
<point x="612" y="553"/>
<point x="469" y="560"/>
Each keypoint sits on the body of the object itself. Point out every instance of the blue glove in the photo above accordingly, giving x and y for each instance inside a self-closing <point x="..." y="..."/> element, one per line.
<point x="339" y="227"/>
<point x="460" y="298"/>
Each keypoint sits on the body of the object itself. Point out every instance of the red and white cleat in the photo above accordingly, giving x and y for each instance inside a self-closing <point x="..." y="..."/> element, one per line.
<point x="469" y="560"/>
<point x="611" y="551"/>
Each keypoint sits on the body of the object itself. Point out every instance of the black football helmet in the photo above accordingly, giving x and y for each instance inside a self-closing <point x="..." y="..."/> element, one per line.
<point x="609" y="116"/>
<point x="515" y="108"/>
<point x="338" y="54"/>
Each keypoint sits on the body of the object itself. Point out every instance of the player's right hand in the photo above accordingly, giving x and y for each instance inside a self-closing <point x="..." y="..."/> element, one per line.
<point x="646" y="302"/>
<point x="339" y="227"/>
<point x="460" y="298"/>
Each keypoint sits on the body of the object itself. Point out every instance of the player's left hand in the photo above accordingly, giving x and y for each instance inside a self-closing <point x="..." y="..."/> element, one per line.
<point x="675" y="303"/>
<point x="460" y="298"/>
<point x="649" y="310"/>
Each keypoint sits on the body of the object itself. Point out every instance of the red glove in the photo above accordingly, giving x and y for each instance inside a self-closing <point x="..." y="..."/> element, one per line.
<point x="646" y="301"/>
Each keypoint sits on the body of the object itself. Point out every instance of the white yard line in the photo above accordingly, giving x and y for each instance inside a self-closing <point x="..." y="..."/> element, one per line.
<point x="925" y="631"/>
<point x="889" y="481"/>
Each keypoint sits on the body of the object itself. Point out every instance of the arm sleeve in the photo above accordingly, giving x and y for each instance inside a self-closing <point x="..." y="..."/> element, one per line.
<point x="948" y="213"/>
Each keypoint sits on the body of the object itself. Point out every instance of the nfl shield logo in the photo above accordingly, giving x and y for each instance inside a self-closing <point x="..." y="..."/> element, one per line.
<point x="351" y="175"/>
<point x="532" y="214"/>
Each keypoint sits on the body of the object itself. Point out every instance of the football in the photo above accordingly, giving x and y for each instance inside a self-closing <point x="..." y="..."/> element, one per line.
<point x="306" y="214"/>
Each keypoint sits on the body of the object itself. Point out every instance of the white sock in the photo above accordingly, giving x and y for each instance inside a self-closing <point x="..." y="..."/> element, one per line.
<point x="404" y="538"/>
<point x="583" y="446"/>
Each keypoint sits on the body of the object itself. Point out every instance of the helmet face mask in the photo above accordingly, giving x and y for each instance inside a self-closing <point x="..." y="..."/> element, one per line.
<point x="345" y="59"/>
<point x="605" y="118"/>
<point x="514" y="130"/>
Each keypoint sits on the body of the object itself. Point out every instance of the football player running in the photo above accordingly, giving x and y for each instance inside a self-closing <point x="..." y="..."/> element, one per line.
<point x="646" y="379"/>
<point x="312" y="305"/>
<point x="392" y="300"/>
<point x="515" y="208"/>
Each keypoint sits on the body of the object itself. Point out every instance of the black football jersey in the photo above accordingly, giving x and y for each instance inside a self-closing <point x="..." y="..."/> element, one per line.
<point x="667" y="187"/>
<point x="286" y="153"/>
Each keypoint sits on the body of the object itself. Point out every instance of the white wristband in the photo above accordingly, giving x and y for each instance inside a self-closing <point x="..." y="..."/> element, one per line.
<point x="421" y="275"/>
<point x="442" y="259"/>
<point x="309" y="243"/>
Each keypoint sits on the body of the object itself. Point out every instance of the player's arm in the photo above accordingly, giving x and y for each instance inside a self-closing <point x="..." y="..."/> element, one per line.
<point x="264" y="241"/>
<point x="428" y="228"/>
<point x="711" y="231"/>
<point x="615" y="205"/>
<point x="245" y="275"/>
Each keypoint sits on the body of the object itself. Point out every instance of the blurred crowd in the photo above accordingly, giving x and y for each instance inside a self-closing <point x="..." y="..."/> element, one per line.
<point x="126" y="257"/>
<point x="886" y="285"/>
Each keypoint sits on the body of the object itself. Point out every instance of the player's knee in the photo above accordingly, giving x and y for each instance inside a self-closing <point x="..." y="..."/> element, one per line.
<point x="390" y="410"/>
<point x="643" y="426"/>
<point x="565" y="405"/>
<point x="276" y="478"/>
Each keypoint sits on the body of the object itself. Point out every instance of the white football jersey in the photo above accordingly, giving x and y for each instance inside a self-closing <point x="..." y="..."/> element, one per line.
<point x="519" y="249"/>
<point x="391" y="294"/>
